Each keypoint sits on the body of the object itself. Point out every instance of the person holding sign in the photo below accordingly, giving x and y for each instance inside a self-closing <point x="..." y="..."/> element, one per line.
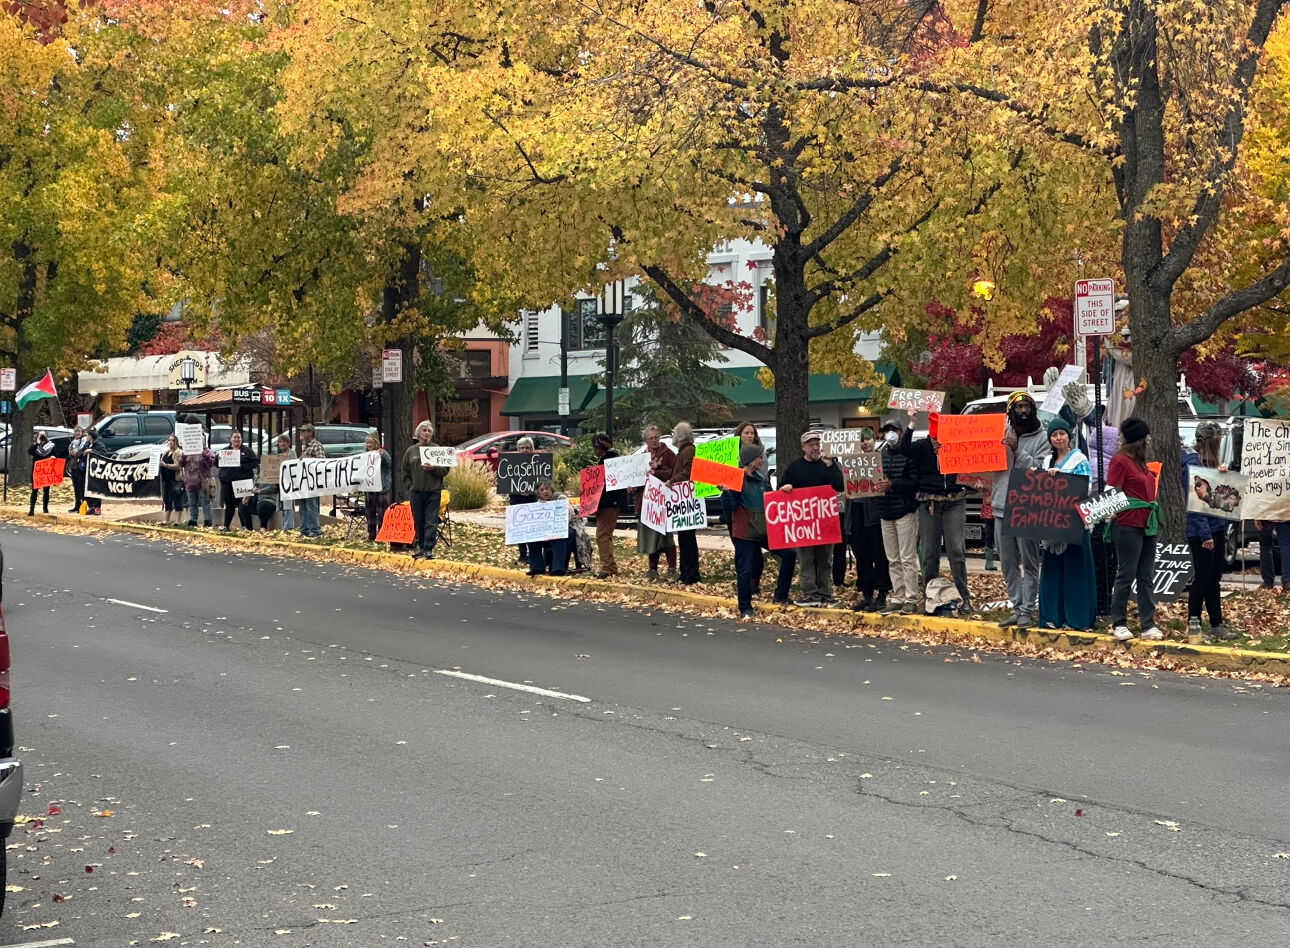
<point x="551" y="555"/>
<point x="611" y="503"/>
<point x="812" y="470"/>
<point x="650" y="542"/>
<point x="197" y="466"/>
<point x="899" y="513"/>
<point x="41" y="450"/>
<point x="77" y="449"/>
<point x="375" y="503"/>
<point x="747" y="509"/>
<point x="172" y="495"/>
<point x="1207" y="538"/>
<point x="942" y="512"/>
<point x="310" y="507"/>
<point x="244" y="470"/>
<point x="424" y="486"/>
<point x="525" y="444"/>
<point x="1067" y="582"/>
<point x="1134" y="531"/>
<point x="862" y="531"/>
<point x="1026" y="443"/>
<point x="687" y="540"/>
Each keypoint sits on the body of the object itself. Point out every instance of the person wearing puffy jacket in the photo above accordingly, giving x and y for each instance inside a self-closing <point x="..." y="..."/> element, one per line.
<point x="1206" y="537"/>
<point x="898" y="511"/>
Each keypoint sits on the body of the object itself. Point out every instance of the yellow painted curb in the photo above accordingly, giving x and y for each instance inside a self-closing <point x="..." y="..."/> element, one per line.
<point x="1211" y="657"/>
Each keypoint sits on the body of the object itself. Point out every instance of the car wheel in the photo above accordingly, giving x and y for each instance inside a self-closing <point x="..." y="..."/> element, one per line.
<point x="1230" y="549"/>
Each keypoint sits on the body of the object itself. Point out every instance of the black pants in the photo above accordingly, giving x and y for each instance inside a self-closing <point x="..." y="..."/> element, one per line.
<point x="787" y="564"/>
<point x="78" y="486"/>
<point x="375" y="505"/>
<point x="873" y="572"/>
<point x="688" y="543"/>
<point x="232" y="505"/>
<point x="1208" y="571"/>
<point x="749" y="564"/>
<point x="1104" y="567"/>
<point x="425" y="517"/>
<point x="1135" y="555"/>
<point x="45" y="500"/>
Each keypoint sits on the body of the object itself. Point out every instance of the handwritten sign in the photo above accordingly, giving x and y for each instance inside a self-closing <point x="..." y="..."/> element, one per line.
<point x="1056" y="398"/>
<point x="860" y="473"/>
<point x="840" y="442"/>
<point x="537" y="522"/>
<point x="230" y="457"/>
<point x="397" y="526"/>
<point x="806" y="517"/>
<point x="653" y="507"/>
<point x="1103" y="506"/>
<point x="244" y="488"/>
<point x="1216" y="493"/>
<point x="271" y="468"/>
<point x="439" y="457"/>
<point x="720" y="475"/>
<point x="722" y="451"/>
<point x="916" y="398"/>
<point x="955" y="429"/>
<point x="1043" y="506"/>
<point x="631" y="471"/>
<point x="1265" y="460"/>
<point x="191" y="438"/>
<point x="685" y="509"/>
<point x="972" y="457"/>
<point x="47" y="473"/>
<point x="154" y="459"/>
<point x="519" y="471"/>
<point x="1172" y="572"/>
<point x="593" y="487"/>
<point x="315" y="477"/>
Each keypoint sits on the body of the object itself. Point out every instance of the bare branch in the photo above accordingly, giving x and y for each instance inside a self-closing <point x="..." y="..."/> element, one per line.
<point x="723" y="334"/>
<point x="867" y="304"/>
<point x="1260" y="291"/>
<point x="852" y="214"/>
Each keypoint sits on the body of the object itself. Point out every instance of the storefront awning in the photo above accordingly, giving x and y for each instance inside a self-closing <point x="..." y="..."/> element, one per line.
<point x="152" y="374"/>
<point x="540" y="395"/>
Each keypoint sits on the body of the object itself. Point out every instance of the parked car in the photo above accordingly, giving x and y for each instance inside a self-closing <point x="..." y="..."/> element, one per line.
<point x="338" y="440"/>
<point x="10" y="766"/>
<point x="487" y="447"/>
<point x="60" y="437"/>
<point x="129" y="429"/>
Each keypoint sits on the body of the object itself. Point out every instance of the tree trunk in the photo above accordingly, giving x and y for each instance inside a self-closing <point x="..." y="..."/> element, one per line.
<point x="792" y="387"/>
<point x="401" y="294"/>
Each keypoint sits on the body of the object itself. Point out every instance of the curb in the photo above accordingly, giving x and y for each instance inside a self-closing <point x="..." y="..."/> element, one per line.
<point x="962" y="631"/>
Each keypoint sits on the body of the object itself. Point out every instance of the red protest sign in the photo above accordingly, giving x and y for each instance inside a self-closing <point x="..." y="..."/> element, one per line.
<point x="397" y="525"/>
<point x="806" y="517"/>
<point x="704" y="471"/>
<point x="959" y="428"/>
<point x="972" y="457"/>
<point x="593" y="485"/>
<point x="47" y="473"/>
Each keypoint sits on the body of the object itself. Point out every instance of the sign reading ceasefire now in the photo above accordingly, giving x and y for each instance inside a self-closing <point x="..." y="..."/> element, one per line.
<point x="970" y="444"/>
<point x="806" y="517"/>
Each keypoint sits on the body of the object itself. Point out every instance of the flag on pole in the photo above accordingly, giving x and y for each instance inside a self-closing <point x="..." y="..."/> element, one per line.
<point x="34" y="391"/>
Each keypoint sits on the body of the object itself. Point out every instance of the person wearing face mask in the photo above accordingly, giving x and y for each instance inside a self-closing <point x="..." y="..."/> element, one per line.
<point x="862" y="531"/>
<point x="1027" y="447"/>
<point x="898" y="511"/>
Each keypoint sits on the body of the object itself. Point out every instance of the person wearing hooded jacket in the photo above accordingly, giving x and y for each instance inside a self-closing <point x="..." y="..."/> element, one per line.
<point x="898" y="511"/>
<point x="1206" y="537"/>
<point x="747" y="511"/>
<point x="1067" y="584"/>
<point x="1027" y="447"/>
<point x="942" y="511"/>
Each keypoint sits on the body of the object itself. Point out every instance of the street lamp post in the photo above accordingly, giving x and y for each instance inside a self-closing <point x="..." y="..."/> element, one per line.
<point x="609" y="312"/>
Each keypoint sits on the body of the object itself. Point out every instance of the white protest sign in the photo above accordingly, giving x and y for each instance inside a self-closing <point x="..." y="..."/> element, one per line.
<point x="230" y="457"/>
<point x="653" y="508"/>
<point x="916" y="398"/>
<point x="243" y="488"/>
<point x="1103" y="506"/>
<point x="536" y="522"/>
<point x="1265" y="460"/>
<point x="685" y="511"/>
<point x="316" y="477"/>
<point x="631" y="471"/>
<point x="1056" y="398"/>
<point x="191" y="440"/>
<point x="439" y="457"/>
<point x="154" y="459"/>
<point x="1216" y="493"/>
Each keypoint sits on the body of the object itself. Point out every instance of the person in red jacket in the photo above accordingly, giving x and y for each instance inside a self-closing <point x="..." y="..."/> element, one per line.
<point x="1134" y="530"/>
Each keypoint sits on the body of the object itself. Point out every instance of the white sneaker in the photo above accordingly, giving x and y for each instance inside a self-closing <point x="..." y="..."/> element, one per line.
<point x="1122" y="633"/>
<point x="1154" y="634"/>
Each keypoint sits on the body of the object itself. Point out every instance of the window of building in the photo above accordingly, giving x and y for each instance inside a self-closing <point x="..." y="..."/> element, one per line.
<point x="474" y="364"/>
<point x="765" y="318"/>
<point x="585" y="331"/>
<point x="531" y="332"/>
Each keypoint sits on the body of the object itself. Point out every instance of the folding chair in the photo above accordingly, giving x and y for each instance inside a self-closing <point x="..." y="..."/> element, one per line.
<point x="445" y="518"/>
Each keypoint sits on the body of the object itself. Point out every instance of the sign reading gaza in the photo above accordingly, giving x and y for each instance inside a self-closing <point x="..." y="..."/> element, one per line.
<point x="314" y="477"/>
<point x="109" y="478"/>
<point x="519" y="471"/>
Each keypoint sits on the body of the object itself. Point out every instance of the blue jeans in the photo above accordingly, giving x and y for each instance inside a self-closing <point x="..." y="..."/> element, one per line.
<point x="749" y="565"/>
<point x="197" y="497"/>
<point x="288" y="515"/>
<point x="1267" y="561"/>
<point x="309" y="508"/>
<point x="550" y="556"/>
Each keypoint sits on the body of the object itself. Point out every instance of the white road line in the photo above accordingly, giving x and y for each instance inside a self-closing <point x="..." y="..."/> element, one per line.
<point x="510" y="684"/>
<point x="52" y="943"/>
<point x="135" y="605"/>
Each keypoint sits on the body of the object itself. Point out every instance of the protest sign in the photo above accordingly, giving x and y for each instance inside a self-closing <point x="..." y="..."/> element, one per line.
<point x="955" y="429"/>
<point x="439" y="457"/>
<point x="1043" y="506"/>
<point x="653" y="506"/>
<point x="1172" y="572"/>
<point x="108" y="478"/>
<point x="685" y="509"/>
<point x="722" y="451"/>
<point x="1216" y="493"/>
<point x="841" y="442"/>
<point x="154" y="459"/>
<point x="981" y="482"/>
<point x="315" y="477"/>
<point x="536" y="522"/>
<point x="806" y="517"/>
<point x="397" y="526"/>
<point x="1103" y="506"/>
<point x="1056" y="398"/>
<point x="972" y="457"/>
<point x="1265" y="460"/>
<point x="271" y="468"/>
<point x="519" y="471"/>
<point x="631" y="471"/>
<point x="860" y="474"/>
<point x="593" y="486"/>
<point x="916" y="398"/>
<point x="243" y="488"/>
<point x="230" y="457"/>
<point x="47" y="473"/>
<point x="191" y="438"/>
<point x="720" y="475"/>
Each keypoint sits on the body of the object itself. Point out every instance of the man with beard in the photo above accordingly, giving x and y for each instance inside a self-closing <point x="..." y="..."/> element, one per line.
<point x="1027" y="445"/>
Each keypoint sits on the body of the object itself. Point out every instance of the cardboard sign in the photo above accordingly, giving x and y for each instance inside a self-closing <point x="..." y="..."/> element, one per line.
<point x="1043" y="506"/>
<point x="719" y="475"/>
<point x="685" y="509"/>
<point x="245" y="488"/>
<point x="397" y="526"/>
<point x="536" y="522"/>
<point x="1056" y="398"/>
<point x="1172" y="572"/>
<point x="972" y="457"/>
<point x="316" y="477"/>
<point x="806" y="517"/>
<point x="593" y="486"/>
<point x="841" y="442"/>
<point x="1103" y="506"/>
<point x="631" y="471"/>
<point x="1216" y="493"/>
<point x="519" y="471"/>
<point x="981" y="482"/>
<point x="1265" y="460"/>
<point x="916" y="398"/>
<point x="722" y="451"/>
<point x="191" y="438"/>
<point x="110" y="479"/>
<point x="653" y="505"/>
<point x="860" y="473"/>
<point x="230" y="457"/>
<point x="956" y="429"/>
<point x="271" y="468"/>
<point x="439" y="457"/>
<point x="47" y="473"/>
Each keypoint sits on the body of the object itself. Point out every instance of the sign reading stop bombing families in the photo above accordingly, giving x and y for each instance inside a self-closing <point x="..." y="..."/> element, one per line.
<point x="672" y="508"/>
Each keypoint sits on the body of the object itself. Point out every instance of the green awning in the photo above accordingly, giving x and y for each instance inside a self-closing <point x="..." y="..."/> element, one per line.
<point x="749" y="391"/>
<point x="541" y="395"/>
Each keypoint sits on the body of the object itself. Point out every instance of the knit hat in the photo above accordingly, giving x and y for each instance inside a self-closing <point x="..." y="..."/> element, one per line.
<point x="749" y="453"/>
<point x="1134" y="430"/>
<point x="892" y="426"/>
<point x="1058" y="424"/>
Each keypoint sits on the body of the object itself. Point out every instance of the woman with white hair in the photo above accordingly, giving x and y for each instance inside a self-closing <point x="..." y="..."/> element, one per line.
<point x="686" y="540"/>
<point x="524" y="549"/>
<point x="650" y="542"/>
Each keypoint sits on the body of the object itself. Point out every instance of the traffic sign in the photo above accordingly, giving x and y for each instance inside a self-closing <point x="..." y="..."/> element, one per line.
<point x="1094" y="307"/>
<point x="392" y="365"/>
<point x="8" y="380"/>
<point x="564" y="402"/>
<point x="284" y="396"/>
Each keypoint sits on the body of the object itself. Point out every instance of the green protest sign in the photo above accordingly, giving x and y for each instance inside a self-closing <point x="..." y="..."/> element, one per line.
<point x="723" y="451"/>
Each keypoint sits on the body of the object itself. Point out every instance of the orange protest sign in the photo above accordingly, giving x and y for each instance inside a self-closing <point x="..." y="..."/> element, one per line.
<point x="397" y="525"/>
<point x="47" y="473"/>
<point x="953" y="429"/>
<point x="1155" y="467"/>
<point x="704" y="471"/>
<point x="972" y="457"/>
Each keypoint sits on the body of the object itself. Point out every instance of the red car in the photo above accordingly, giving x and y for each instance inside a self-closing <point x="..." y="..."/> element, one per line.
<point x="487" y="447"/>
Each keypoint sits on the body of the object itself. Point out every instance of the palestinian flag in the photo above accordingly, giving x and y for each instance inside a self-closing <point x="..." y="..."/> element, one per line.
<point x="34" y="391"/>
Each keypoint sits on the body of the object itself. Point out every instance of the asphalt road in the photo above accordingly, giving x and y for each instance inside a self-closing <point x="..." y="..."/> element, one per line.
<point x="276" y="759"/>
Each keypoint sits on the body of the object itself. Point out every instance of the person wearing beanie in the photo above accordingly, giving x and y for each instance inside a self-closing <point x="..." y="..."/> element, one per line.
<point x="1206" y="537"/>
<point x="1134" y="530"/>
<point x="1026" y="445"/>
<point x="612" y="503"/>
<point x="1067" y="581"/>
<point x="747" y="511"/>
